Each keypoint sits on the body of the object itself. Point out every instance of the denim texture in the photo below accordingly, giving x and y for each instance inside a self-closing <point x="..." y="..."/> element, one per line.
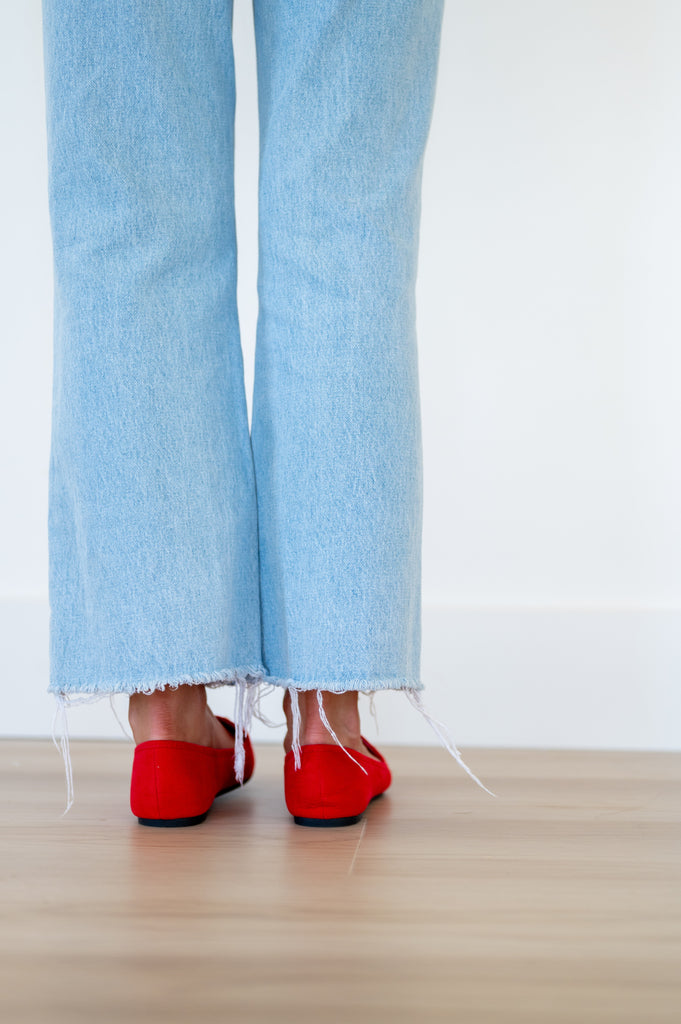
<point x="182" y="546"/>
<point x="181" y="549"/>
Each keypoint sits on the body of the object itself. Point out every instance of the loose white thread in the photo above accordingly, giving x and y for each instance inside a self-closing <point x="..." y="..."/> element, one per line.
<point x="295" y="711"/>
<point x="123" y="729"/>
<point x="372" y="709"/>
<point x="239" y="749"/>
<point x="63" y="746"/>
<point x="250" y="698"/>
<point x="245" y="700"/>
<point x="442" y="733"/>
<point x="259" y="693"/>
<point x="61" y="714"/>
<point x="322" y="715"/>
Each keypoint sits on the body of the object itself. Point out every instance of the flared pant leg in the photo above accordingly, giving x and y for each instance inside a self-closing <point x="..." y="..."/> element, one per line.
<point x="345" y="91"/>
<point x="181" y="549"/>
<point x="153" y="549"/>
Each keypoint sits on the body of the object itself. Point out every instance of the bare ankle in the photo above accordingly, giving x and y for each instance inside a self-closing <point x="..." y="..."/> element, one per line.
<point x="179" y="713"/>
<point x="341" y="711"/>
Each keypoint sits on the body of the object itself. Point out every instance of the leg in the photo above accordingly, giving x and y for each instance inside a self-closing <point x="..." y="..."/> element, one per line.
<point x="152" y="510"/>
<point x="342" y="712"/>
<point x="346" y="92"/>
<point x="153" y="532"/>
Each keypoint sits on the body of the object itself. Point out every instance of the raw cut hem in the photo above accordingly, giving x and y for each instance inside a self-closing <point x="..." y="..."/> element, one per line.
<point x="249" y="682"/>
<point x="246" y="679"/>
<point x="345" y="685"/>
<point x="224" y="677"/>
<point x="411" y="689"/>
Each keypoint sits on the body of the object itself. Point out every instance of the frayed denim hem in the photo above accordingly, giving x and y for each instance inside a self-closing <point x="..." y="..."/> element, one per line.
<point x="410" y="687"/>
<point x="225" y="677"/>
<point x="246" y="680"/>
<point x="412" y="693"/>
<point x="251" y="683"/>
<point x="344" y="685"/>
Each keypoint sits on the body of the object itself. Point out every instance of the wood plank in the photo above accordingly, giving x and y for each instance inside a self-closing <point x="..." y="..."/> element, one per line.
<point x="559" y="901"/>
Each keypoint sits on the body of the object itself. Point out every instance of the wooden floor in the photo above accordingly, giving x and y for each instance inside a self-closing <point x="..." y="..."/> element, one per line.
<point x="560" y="900"/>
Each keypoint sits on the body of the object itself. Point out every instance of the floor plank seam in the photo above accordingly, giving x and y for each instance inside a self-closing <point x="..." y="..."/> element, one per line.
<point x="354" y="856"/>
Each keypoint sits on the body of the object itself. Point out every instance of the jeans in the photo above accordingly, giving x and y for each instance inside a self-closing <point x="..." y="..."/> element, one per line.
<point x="182" y="547"/>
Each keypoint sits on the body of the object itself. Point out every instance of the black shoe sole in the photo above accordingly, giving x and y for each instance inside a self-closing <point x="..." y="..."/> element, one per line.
<point x="333" y="822"/>
<point x="327" y="822"/>
<point x="173" y="822"/>
<point x="183" y="822"/>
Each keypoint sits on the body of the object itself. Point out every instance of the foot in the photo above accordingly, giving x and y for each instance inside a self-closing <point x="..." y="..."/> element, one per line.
<point x="342" y="712"/>
<point x="176" y="714"/>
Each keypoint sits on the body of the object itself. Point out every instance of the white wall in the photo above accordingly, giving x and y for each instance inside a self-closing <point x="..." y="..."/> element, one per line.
<point x="549" y="329"/>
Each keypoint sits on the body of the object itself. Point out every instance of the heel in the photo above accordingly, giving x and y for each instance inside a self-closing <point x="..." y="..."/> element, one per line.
<point x="174" y="783"/>
<point x="330" y="790"/>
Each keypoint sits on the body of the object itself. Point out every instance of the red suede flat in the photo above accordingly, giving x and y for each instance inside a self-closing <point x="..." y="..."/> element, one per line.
<point x="329" y="789"/>
<point x="175" y="783"/>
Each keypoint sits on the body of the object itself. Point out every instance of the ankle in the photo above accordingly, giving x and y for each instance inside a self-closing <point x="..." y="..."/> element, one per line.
<point x="170" y="713"/>
<point x="341" y="711"/>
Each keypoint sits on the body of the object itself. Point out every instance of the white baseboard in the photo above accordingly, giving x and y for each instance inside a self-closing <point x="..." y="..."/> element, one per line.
<point x="580" y="678"/>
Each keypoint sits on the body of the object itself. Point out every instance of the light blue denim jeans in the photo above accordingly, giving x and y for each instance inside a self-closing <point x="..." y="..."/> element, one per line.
<point x="184" y="548"/>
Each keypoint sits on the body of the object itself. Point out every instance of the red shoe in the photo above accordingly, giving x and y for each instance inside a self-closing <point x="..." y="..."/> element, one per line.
<point x="329" y="789"/>
<point x="175" y="783"/>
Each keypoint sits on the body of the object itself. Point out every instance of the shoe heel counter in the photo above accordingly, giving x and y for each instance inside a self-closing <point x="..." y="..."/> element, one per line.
<point x="326" y="785"/>
<point x="144" y="799"/>
<point x="169" y="783"/>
